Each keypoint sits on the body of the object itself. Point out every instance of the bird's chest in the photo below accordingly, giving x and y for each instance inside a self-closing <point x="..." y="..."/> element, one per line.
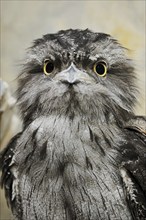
<point x="72" y="175"/>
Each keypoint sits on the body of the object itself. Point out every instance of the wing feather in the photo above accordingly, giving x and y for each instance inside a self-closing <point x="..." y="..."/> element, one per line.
<point x="8" y="176"/>
<point x="133" y="167"/>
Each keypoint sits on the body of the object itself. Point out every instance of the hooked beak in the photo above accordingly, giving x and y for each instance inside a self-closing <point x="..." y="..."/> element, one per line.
<point x="72" y="75"/>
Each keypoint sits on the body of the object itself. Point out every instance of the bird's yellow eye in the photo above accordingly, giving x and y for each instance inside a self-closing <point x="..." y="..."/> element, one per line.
<point x="100" y="68"/>
<point x="48" y="67"/>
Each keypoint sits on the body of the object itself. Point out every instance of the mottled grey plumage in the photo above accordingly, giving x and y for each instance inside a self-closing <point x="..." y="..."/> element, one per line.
<point x="82" y="152"/>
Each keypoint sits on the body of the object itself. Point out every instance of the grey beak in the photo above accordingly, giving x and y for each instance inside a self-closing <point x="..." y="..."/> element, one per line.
<point x="72" y="75"/>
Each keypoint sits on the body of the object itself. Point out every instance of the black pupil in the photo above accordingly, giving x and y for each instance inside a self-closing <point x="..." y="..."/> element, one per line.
<point x="100" y="69"/>
<point x="49" y="67"/>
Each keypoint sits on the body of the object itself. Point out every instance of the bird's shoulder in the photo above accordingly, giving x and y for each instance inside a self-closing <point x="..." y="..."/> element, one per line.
<point x="133" y="166"/>
<point x="138" y="125"/>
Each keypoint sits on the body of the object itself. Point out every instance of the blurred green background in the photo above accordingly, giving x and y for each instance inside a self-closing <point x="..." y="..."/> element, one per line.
<point x="24" y="21"/>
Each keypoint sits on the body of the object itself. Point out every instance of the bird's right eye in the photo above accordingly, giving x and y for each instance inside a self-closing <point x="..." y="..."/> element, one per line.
<point x="48" y="67"/>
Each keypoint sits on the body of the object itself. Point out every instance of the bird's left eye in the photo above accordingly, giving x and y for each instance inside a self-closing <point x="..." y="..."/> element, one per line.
<point x="100" y="68"/>
<point x="48" y="67"/>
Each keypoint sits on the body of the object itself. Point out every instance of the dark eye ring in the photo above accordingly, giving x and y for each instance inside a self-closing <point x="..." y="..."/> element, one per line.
<point x="48" y="67"/>
<point x="100" y="68"/>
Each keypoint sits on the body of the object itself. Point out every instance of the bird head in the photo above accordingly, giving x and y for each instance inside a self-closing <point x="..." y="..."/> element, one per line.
<point x="76" y="72"/>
